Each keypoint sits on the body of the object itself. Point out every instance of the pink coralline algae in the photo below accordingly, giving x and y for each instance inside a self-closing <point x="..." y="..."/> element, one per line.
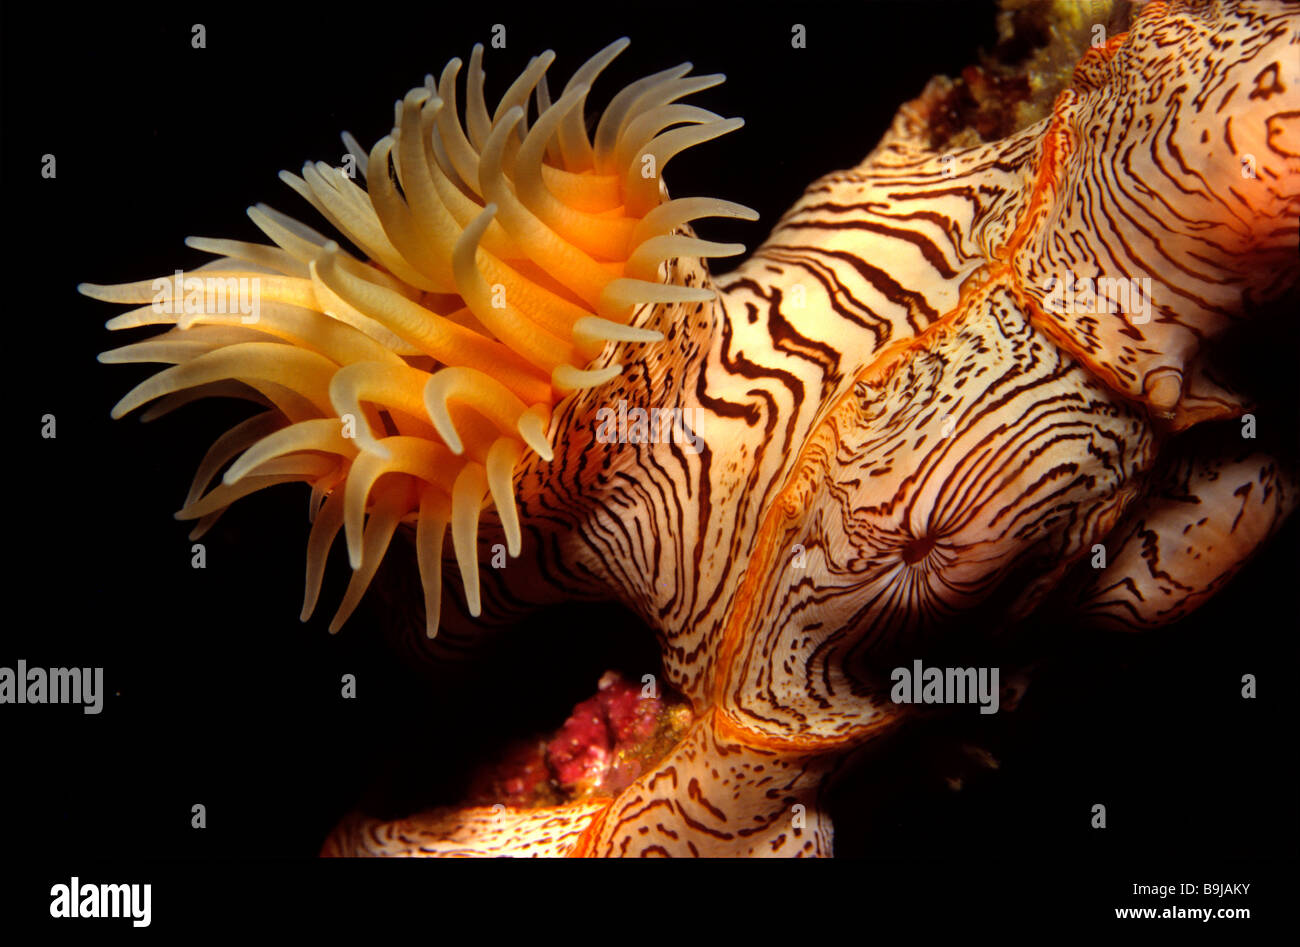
<point x="595" y="749"/>
<point x="606" y="743"/>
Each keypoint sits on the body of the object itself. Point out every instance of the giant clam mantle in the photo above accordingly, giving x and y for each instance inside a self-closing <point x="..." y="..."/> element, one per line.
<point x="949" y="376"/>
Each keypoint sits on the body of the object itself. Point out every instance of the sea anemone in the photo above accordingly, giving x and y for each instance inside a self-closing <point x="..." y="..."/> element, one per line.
<point x="500" y="258"/>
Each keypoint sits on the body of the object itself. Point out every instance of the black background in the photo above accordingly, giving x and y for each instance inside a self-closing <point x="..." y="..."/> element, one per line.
<point x="218" y="695"/>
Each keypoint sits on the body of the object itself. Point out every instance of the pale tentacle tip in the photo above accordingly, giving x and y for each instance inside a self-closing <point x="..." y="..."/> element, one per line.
<point x="435" y="405"/>
<point x="532" y="428"/>
<point x="122" y="322"/>
<point x="237" y="471"/>
<point x="568" y="378"/>
<point x="186" y="512"/>
<point x="537" y="442"/>
<point x="594" y="328"/>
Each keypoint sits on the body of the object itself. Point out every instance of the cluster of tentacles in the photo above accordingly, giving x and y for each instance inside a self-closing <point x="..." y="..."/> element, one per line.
<point x="501" y="258"/>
